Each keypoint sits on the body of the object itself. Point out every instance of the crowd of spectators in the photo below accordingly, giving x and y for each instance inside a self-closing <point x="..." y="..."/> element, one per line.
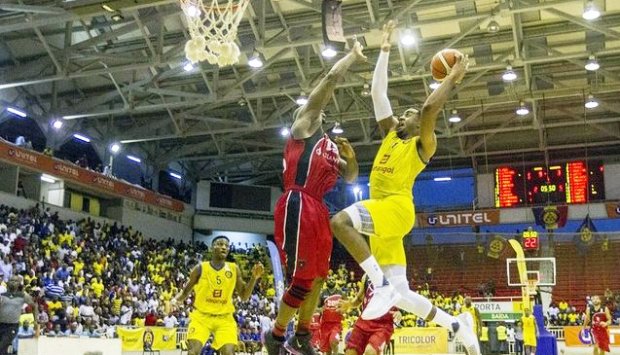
<point x="89" y="277"/>
<point x="562" y="313"/>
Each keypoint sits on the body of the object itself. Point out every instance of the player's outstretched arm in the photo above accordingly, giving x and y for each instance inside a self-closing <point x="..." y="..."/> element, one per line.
<point x="245" y="289"/>
<point x="434" y="104"/>
<point x="194" y="276"/>
<point x="381" y="102"/>
<point x="349" y="168"/>
<point x="309" y="118"/>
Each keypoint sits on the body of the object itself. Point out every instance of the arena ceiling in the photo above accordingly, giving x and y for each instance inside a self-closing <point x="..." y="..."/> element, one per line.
<point x="123" y="80"/>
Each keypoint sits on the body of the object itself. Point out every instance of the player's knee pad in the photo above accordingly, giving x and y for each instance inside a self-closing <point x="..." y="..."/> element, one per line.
<point x="297" y="292"/>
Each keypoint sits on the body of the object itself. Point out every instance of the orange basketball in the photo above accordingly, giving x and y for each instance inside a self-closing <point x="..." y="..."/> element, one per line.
<point x="442" y="63"/>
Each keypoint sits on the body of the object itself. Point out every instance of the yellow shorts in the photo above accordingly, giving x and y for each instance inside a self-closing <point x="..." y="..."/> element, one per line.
<point x="223" y="327"/>
<point x="529" y="339"/>
<point x="386" y="221"/>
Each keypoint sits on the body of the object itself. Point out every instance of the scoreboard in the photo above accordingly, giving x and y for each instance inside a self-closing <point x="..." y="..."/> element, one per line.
<point x="573" y="182"/>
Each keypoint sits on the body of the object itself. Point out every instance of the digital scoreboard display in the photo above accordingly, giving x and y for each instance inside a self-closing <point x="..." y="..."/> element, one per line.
<point x="572" y="182"/>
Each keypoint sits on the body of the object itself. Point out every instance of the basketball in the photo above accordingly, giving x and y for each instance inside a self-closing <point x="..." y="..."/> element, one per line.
<point x="442" y="63"/>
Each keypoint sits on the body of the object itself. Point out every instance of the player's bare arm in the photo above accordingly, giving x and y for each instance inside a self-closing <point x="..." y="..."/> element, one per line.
<point x="349" y="168"/>
<point x="434" y="104"/>
<point x="245" y="289"/>
<point x="346" y="305"/>
<point x="194" y="276"/>
<point x="383" y="110"/>
<point x="310" y="115"/>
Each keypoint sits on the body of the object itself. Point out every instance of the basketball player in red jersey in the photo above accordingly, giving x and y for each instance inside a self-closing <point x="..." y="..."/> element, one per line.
<point x="368" y="336"/>
<point x="315" y="330"/>
<point x="599" y="317"/>
<point x="312" y="163"/>
<point x="331" y="319"/>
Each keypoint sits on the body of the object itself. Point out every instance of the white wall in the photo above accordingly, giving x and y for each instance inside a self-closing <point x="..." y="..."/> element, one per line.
<point x="485" y="190"/>
<point x="53" y="193"/>
<point x="235" y="237"/>
<point x="249" y="225"/>
<point x="612" y="181"/>
<point x="155" y="227"/>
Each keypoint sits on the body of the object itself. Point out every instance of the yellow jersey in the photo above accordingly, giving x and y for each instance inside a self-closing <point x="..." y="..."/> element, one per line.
<point x="395" y="168"/>
<point x="528" y="325"/>
<point x="215" y="288"/>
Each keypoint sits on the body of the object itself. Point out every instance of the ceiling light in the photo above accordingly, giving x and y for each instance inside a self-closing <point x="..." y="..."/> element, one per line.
<point x="57" y="124"/>
<point x="255" y="61"/>
<point x="434" y="85"/>
<point x="442" y="178"/>
<point x="590" y="11"/>
<point x="591" y="103"/>
<point x="176" y="175"/>
<point x="284" y="132"/>
<point x="365" y="91"/>
<point x="117" y="17"/>
<point x="115" y="148"/>
<point x="82" y="138"/>
<point x="455" y="118"/>
<point x="356" y="189"/>
<point x="522" y="110"/>
<point x="509" y="74"/>
<point x="48" y="178"/>
<point x="134" y="158"/>
<point x="407" y="38"/>
<point x="302" y="99"/>
<point x="16" y="112"/>
<point x="592" y="64"/>
<point x="192" y="11"/>
<point x="188" y="67"/>
<point x="107" y="8"/>
<point x="337" y="129"/>
<point x="493" y="27"/>
<point x="241" y="102"/>
<point x="329" y="52"/>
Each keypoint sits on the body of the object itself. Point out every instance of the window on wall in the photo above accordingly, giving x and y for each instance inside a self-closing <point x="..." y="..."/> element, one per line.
<point x="445" y="189"/>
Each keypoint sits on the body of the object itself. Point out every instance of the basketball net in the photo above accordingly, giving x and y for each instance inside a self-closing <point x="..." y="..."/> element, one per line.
<point x="213" y="27"/>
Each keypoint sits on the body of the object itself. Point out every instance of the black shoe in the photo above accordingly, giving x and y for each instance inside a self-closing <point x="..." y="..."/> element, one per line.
<point x="272" y="345"/>
<point x="300" y="345"/>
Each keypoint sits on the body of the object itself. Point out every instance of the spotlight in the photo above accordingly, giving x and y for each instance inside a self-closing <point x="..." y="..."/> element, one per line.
<point x="115" y="148"/>
<point x="442" y="178"/>
<point x="590" y="11"/>
<point x="188" y="67"/>
<point x="365" y="91"/>
<point x="337" y="129"/>
<point x="17" y="112"/>
<point x="192" y="11"/>
<point x="509" y="74"/>
<point x="455" y="118"/>
<point x="284" y="132"/>
<point x="329" y="52"/>
<point x="82" y="138"/>
<point x="175" y="175"/>
<point x="255" y="61"/>
<point x="592" y="64"/>
<point x="434" y="85"/>
<point x="302" y="99"/>
<point x="522" y="110"/>
<point x="134" y="158"/>
<point x="493" y="27"/>
<point x="108" y="8"/>
<point x="591" y="103"/>
<point x="57" y="124"/>
<point x="357" y="189"/>
<point x="407" y="38"/>
<point x="117" y="18"/>
<point x="48" y="178"/>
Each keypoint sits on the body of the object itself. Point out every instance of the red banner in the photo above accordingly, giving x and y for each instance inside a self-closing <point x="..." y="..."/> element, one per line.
<point x="73" y="173"/>
<point x="613" y="209"/>
<point x="458" y="218"/>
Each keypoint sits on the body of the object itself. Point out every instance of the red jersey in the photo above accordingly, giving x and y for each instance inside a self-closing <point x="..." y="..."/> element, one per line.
<point x="598" y="316"/>
<point x="311" y="165"/>
<point x="330" y="303"/>
<point x="388" y="318"/>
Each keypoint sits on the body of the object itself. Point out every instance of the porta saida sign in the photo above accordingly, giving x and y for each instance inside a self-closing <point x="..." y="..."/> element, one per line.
<point x="499" y="311"/>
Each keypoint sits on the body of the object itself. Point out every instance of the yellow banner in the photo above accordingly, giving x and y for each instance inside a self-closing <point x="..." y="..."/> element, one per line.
<point x="156" y="338"/>
<point x="578" y="336"/>
<point x="420" y="340"/>
<point x="131" y="338"/>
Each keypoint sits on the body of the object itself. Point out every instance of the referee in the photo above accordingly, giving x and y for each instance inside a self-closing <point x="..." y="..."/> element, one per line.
<point x="11" y="305"/>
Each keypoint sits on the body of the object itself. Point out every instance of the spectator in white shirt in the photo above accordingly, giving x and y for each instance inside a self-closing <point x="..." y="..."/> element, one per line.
<point x="170" y="321"/>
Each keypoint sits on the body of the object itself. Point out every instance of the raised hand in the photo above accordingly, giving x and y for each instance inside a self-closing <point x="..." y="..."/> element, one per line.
<point x="357" y="51"/>
<point x="388" y="29"/>
<point x="460" y="68"/>
<point x="344" y="148"/>
<point x="257" y="270"/>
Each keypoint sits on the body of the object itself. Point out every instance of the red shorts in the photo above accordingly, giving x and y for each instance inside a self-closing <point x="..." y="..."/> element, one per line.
<point x="330" y="333"/>
<point x="364" y="333"/>
<point x="601" y="338"/>
<point x="303" y="235"/>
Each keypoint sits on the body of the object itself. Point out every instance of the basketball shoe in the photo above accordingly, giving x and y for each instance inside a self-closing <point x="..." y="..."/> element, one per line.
<point x="383" y="298"/>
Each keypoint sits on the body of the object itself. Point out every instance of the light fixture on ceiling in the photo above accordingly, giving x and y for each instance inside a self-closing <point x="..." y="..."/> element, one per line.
<point x="192" y="11"/>
<point x="107" y="7"/>
<point x="241" y="102"/>
<point x="57" y="124"/>
<point x="48" y="178"/>
<point x="592" y="64"/>
<point x="442" y="178"/>
<point x="434" y="85"/>
<point x="329" y="52"/>
<point x="407" y="37"/>
<point x="365" y="91"/>
<point x="302" y="99"/>
<point x="255" y="61"/>
<point x="285" y="131"/>
<point x="493" y="27"/>
<point x="522" y="110"/>
<point x="590" y="11"/>
<point x="81" y="137"/>
<point x="134" y="158"/>
<point x="175" y="175"/>
<point x="115" y="148"/>
<point x="509" y="75"/>
<point x="337" y="129"/>
<point x="591" y="103"/>
<point x="188" y="66"/>
<point x="454" y="118"/>
<point x="117" y="17"/>
<point x="17" y="112"/>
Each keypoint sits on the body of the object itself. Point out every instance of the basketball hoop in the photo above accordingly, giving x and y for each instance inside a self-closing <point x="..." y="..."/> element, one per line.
<point x="213" y="27"/>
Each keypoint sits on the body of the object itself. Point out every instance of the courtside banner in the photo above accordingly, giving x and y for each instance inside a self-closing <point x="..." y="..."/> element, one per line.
<point x="164" y="338"/>
<point x="420" y="340"/>
<point x="65" y="170"/>
<point x="578" y="336"/>
<point x="458" y="218"/>
<point x="132" y="339"/>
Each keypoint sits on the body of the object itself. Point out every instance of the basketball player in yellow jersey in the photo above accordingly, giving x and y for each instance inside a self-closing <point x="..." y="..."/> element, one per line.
<point x="529" y="332"/>
<point x="468" y="307"/>
<point x="389" y="214"/>
<point x="214" y="283"/>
